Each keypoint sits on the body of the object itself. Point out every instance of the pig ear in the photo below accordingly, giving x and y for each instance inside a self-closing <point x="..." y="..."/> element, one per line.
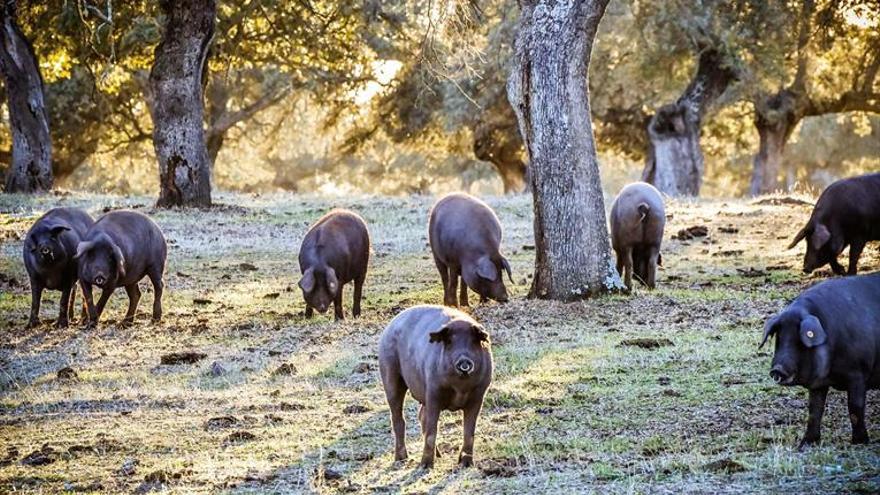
<point x="120" y="260"/>
<point x="820" y="236"/>
<point x="799" y="237"/>
<point x="441" y="335"/>
<point x="769" y="329"/>
<point x="307" y="282"/>
<point x="332" y="281"/>
<point x="812" y="333"/>
<point x="480" y="333"/>
<point x="486" y="269"/>
<point x="56" y="231"/>
<point x="82" y="248"/>
<point x="506" y="265"/>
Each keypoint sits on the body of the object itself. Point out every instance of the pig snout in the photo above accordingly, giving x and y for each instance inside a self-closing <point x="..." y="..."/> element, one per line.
<point x="100" y="279"/>
<point x="780" y="375"/>
<point x="464" y="366"/>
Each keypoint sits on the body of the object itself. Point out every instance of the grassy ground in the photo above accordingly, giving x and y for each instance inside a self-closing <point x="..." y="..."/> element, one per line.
<point x="571" y="408"/>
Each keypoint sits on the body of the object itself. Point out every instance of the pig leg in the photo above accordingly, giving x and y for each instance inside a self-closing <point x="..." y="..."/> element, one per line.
<point x="651" y="266"/>
<point x="432" y="415"/>
<point x="444" y="278"/>
<point x="358" y="293"/>
<point x="856" y="404"/>
<point x="102" y="301"/>
<point x="395" y="391"/>
<point x="36" y="296"/>
<point x="422" y="423"/>
<point x="855" y="251"/>
<point x="836" y="267"/>
<point x="134" y="297"/>
<point x="814" y="423"/>
<point x="628" y="267"/>
<point x="89" y="303"/>
<point x="309" y="311"/>
<point x="471" y="412"/>
<point x="64" y="306"/>
<point x="71" y="306"/>
<point x="452" y="288"/>
<point x="158" y="290"/>
<point x="337" y="305"/>
<point x="463" y="297"/>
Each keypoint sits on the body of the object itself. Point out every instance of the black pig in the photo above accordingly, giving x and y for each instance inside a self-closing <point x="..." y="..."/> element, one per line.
<point x="830" y="337"/>
<point x="334" y="252"/>
<point x="444" y="358"/>
<point x="118" y="251"/>
<point x="637" y="221"/>
<point x="465" y="237"/>
<point x="847" y="213"/>
<point x="49" y="249"/>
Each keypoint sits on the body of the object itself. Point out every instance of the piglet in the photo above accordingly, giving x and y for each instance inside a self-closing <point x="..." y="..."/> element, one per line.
<point x="637" y="221"/>
<point x="118" y="251"/>
<point x="49" y="249"/>
<point x="829" y="337"/>
<point x="847" y="213"/>
<point x="334" y="252"/>
<point x="465" y="237"/>
<point x="444" y="358"/>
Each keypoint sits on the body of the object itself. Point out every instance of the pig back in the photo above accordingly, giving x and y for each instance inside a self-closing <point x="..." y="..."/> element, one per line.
<point x="461" y="225"/>
<point x="627" y="225"/>
<point x="405" y="344"/>
<point x="339" y="239"/>
<point x="139" y="238"/>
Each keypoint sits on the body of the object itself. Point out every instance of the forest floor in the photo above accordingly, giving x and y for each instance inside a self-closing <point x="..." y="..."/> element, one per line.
<point x="281" y="404"/>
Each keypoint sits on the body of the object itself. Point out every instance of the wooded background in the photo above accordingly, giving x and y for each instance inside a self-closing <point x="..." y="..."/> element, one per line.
<point x="709" y="97"/>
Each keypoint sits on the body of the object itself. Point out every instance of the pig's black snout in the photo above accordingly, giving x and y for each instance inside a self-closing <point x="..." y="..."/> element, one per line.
<point x="100" y="280"/>
<point x="464" y="366"/>
<point x="779" y="375"/>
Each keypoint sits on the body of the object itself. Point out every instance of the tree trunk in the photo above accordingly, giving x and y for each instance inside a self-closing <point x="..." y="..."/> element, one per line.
<point x="497" y="141"/>
<point x="31" y="168"/>
<point x="674" y="162"/>
<point x="548" y="89"/>
<point x="177" y="105"/>
<point x="776" y="117"/>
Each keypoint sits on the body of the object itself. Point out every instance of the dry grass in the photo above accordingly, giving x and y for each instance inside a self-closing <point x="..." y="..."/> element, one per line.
<point x="571" y="410"/>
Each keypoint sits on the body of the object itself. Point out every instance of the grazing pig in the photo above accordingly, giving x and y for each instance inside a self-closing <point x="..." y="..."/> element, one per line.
<point x="847" y="213"/>
<point x="334" y="252"/>
<point x="830" y="337"/>
<point x="49" y="249"/>
<point x="444" y="358"/>
<point x="637" y="222"/>
<point x="465" y="237"/>
<point x="118" y="251"/>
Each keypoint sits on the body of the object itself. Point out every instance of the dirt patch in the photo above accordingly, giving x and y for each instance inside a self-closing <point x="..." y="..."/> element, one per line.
<point x="785" y="200"/>
<point x="645" y="342"/>
<point x="691" y="233"/>
<point x="186" y="357"/>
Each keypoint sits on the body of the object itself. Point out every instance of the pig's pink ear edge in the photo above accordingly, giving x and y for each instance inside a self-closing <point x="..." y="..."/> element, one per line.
<point x="439" y="336"/>
<point x="307" y="282"/>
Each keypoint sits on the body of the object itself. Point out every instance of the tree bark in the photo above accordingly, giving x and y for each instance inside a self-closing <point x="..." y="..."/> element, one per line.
<point x="31" y="168"/>
<point x="776" y="116"/>
<point x="497" y="141"/>
<point x="177" y="104"/>
<point x="548" y="89"/>
<point x="674" y="162"/>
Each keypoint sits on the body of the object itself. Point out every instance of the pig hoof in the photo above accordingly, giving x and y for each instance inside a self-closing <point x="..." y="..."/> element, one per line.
<point x="61" y="324"/>
<point x="465" y="460"/>
<point x="32" y="324"/>
<point x="426" y="464"/>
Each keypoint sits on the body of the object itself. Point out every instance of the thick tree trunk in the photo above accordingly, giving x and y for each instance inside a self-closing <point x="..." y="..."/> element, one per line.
<point x="548" y="90"/>
<point x="674" y="162"/>
<point x="177" y="105"/>
<point x="497" y="141"/>
<point x="776" y="116"/>
<point x="31" y="167"/>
